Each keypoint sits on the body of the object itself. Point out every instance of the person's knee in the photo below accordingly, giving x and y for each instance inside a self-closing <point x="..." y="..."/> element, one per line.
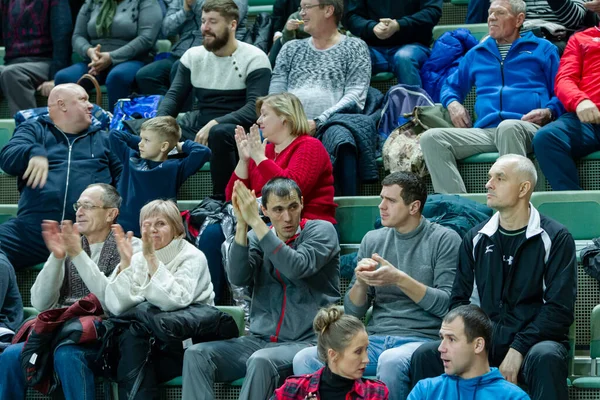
<point x="219" y="137"/>
<point x="260" y="361"/>
<point x="118" y="78"/>
<point x="67" y="357"/>
<point x="305" y="360"/>
<point x="406" y="56"/>
<point x="544" y="138"/>
<point x="431" y="140"/>
<point x="198" y="356"/>
<point x="144" y="75"/>
<point x="394" y="364"/>
<point x="510" y="130"/>
<point x="547" y="355"/>
<point x="10" y="357"/>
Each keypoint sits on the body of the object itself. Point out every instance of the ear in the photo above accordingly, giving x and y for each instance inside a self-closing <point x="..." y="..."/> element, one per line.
<point x="332" y="355"/>
<point x="164" y="147"/>
<point x="264" y="211"/>
<point x="479" y="346"/>
<point x="524" y="188"/>
<point x="415" y="206"/>
<point x="520" y="20"/>
<point x="112" y="214"/>
<point x="330" y="10"/>
<point x="233" y="25"/>
<point x="61" y="105"/>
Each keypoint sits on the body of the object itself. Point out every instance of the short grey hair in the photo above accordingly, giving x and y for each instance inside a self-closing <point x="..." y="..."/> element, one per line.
<point x="516" y="6"/>
<point x="523" y="166"/>
<point x="110" y="198"/>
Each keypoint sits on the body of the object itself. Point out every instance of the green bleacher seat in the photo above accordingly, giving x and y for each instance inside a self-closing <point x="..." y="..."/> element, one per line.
<point x="592" y="382"/>
<point x="7" y="211"/>
<point x="163" y="46"/>
<point x="478" y="30"/>
<point x="382" y="76"/>
<point x="8" y="124"/>
<point x="2" y="54"/>
<point x="257" y="6"/>
<point x="29" y="312"/>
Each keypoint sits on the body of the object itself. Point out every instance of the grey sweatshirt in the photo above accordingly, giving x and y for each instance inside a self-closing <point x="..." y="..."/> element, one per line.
<point x="134" y="29"/>
<point x="291" y="282"/>
<point x="428" y="254"/>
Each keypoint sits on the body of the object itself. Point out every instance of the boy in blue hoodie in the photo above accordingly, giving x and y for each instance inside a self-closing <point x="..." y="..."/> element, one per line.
<point x="148" y="173"/>
<point x="466" y="335"/>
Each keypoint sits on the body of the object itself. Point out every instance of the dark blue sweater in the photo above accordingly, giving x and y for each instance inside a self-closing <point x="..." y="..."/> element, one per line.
<point x="143" y="180"/>
<point x="415" y="17"/>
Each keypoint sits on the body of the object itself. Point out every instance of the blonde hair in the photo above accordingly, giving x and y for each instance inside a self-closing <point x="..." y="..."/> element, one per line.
<point x="167" y="127"/>
<point x="166" y="209"/>
<point x="289" y="107"/>
<point x="335" y="330"/>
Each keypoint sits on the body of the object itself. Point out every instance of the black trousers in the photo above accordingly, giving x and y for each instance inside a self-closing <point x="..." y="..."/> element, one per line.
<point x="544" y="370"/>
<point x="162" y="366"/>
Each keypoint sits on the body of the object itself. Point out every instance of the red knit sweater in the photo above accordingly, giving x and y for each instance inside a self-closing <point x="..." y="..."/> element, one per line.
<point x="305" y="161"/>
<point x="578" y="76"/>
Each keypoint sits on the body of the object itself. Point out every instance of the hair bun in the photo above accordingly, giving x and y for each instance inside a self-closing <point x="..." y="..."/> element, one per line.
<point x="325" y="317"/>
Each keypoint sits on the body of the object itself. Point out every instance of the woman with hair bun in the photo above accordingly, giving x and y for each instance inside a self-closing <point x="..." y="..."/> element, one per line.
<point x="342" y="343"/>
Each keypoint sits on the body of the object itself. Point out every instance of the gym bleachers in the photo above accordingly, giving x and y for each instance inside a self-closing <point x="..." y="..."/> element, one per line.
<point x="579" y="211"/>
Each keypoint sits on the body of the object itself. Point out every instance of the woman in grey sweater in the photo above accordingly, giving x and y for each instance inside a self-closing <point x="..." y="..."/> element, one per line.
<point x="114" y="37"/>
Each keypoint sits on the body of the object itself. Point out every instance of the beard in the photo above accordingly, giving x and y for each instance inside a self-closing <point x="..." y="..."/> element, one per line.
<point x="217" y="41"/>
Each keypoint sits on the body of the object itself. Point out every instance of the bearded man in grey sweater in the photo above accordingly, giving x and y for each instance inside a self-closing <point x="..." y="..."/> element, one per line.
<point x="405" y="271"/>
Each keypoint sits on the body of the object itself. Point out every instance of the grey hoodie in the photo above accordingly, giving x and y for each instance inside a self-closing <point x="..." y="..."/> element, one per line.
<point x="290" y="282"/>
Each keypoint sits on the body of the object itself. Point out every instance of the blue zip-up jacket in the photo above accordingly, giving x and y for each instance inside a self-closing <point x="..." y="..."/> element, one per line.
<point x="507" y="89"/>
<point x="72" y="167"/>
<point x="451" y="387"/>
<point x="144" y="180"/>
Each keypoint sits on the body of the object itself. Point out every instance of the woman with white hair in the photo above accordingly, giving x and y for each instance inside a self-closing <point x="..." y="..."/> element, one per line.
<point x="169" y="273"/>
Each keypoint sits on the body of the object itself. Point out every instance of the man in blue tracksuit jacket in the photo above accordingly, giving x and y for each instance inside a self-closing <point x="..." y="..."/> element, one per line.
<point x="513" y="77"/>
<point x="54" y="158"/>
<point x="466" y="335"/>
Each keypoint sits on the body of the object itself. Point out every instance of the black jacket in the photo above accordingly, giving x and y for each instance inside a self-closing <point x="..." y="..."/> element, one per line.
<point x="416" y="18"/>
<point x="536" y="301"/>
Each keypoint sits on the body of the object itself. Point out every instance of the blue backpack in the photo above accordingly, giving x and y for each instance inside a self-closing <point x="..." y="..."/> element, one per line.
<point x="134" y="108"/>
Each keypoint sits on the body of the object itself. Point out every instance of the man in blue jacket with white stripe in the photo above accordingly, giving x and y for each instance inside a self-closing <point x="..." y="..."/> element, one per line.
<point x="514" y="80"/>
<point x="54" y="158"/>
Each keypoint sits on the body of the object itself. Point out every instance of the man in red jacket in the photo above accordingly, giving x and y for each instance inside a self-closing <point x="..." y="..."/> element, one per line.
<point x="576" y="133"/>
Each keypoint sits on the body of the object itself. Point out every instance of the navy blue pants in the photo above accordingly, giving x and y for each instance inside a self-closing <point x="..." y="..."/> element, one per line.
<point x="119" y="79"/>
<point x="22" y="243"/>
<point x="557" y="146"/>
<point x="210" y="243"/>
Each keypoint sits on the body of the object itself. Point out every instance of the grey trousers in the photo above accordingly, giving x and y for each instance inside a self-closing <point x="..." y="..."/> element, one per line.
<point x="19" y="81"/>
<point x="263" y="364"/>
<point x="443" y="146"/>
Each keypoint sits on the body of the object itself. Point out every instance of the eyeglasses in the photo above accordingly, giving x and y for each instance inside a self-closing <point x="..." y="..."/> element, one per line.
<point x="308" y="7"/>
<point x="86" y="206"/>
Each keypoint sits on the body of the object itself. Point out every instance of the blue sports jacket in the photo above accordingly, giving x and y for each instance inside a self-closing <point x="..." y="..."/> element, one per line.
<point x="509" y="88"/>
<point x="451" y="387"/>
<point x="72" y="167"/>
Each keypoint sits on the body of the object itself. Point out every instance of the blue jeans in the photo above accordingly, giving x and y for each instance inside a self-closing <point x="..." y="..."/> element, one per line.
<point x="389" y="360"/>
<point x="70" y="364"/>
<point x="404" y="61"/>
<point x="119" y="79"/>
<point x="557" y="146"/>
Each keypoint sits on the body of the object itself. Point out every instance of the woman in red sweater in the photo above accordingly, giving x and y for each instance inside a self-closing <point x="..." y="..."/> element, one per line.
<point x="291" y="152"/>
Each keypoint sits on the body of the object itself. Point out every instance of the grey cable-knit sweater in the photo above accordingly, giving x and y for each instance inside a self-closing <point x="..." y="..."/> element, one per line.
<point x="326" y="81"/>
<point x="428" y="254"/>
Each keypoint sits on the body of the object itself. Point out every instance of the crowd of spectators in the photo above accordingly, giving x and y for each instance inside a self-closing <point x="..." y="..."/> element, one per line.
<point x="98" y="208"/>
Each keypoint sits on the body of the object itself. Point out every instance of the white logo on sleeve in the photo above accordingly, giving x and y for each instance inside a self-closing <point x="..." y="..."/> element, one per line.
<point x="488" y="249"/>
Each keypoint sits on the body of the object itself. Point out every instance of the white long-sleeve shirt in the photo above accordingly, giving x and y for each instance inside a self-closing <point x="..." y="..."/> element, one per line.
<point x="182" y="278"/>
<point x="45" y="292"/>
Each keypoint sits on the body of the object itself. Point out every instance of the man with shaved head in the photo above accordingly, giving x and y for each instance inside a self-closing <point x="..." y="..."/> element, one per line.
<point x="520" y="267"/>
<point x="54" y="158"/>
